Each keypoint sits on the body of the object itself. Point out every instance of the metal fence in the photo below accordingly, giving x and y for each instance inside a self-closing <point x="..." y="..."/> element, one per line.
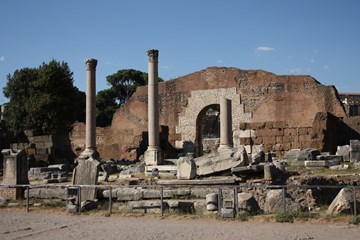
<point x="235" y="189"/>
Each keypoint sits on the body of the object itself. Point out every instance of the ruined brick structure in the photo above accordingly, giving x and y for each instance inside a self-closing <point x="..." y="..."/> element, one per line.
<point x="284" y="112"/>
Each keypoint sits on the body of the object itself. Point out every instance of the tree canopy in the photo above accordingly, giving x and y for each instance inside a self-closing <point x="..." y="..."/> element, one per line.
<point x="123" y="84"/>
<point x="42" y="98"/>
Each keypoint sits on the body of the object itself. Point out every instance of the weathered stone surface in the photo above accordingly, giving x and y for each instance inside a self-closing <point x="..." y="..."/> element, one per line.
<point x="86" y="173"/>
<point x="329" y="157"/>
<point x="269" y="172"/>
<point x="227" y="213"/>
<point x="15" y="167"/>
<point x="222" y="161"/>
<point x="186" y="168"/>
<point x="274" y="202"/>
<point x="344" y="151"/>
<point x="292" y="154"/>
<point x="355" y="150"/>
<point x="250" y="169"/>
<point x="308" y="154"/>
<point x="46" y="193"/>
<point x="247" y="203"/>
<point x="129" y="194"/>
<point x="343" y="202"/>
<point x="212" y="202"/>
<point x="322" y="163"/>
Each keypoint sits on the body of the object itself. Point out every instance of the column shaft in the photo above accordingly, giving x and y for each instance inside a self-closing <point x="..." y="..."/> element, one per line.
<point x="153" y="103"/>
<point x="91" y="103"/>
<point x="225" y="123"/>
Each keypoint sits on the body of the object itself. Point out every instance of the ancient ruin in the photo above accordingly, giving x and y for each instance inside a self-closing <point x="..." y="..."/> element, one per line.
<point x="221" y="140"/>
<point x="280" y="112"/>
<point x="87" y="169"/>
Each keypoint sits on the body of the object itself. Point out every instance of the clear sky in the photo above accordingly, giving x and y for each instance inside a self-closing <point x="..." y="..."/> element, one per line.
<point x="320" y="38"/>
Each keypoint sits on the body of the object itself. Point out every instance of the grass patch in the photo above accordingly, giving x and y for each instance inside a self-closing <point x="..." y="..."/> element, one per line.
<point x="292" y="216"/>
<point x="53" y="203"/>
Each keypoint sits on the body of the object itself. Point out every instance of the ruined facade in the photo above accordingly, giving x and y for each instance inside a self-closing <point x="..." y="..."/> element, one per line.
<point x="281" y="112"/>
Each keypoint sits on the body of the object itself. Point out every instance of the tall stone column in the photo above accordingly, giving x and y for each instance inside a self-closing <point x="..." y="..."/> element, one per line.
<point x="153" y="155"/>
<point x="90" y="150"/>
<point x="225" y="124"/>
<point x="87" y="170"/>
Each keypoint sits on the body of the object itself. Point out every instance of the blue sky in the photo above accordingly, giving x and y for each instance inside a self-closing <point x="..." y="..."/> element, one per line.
<point x="320" y="38"/>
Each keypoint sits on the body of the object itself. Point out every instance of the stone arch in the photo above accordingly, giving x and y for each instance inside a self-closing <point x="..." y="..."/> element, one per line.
<point x="199" y="130"/>
<point x="198" y="101"/>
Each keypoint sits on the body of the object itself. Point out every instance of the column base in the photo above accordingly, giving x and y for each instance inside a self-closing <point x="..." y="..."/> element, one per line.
<point x="154" y="156"/>
<point x="224" y="147"/>
<point x="88" y="154"/>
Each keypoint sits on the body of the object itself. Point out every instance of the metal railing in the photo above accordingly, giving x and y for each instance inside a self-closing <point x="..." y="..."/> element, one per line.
<point x="220" y="188"/>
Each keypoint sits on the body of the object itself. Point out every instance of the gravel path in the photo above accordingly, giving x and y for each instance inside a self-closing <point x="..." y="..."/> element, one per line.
<point x="52" y="226"/>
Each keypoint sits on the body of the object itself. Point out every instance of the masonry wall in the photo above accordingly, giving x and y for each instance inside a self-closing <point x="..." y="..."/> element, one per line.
<point x="265" y="97"/>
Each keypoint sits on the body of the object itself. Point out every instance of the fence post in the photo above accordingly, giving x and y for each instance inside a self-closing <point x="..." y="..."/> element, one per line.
<point x="110" y="200"/>
<point x="27" y="198"/>
<point x="219" y="201"/>
<point x="79" y="198"/>
<point x="283" y="199"/>
<point x="355" y="205"/>
<point x="236" y="201"/>
<point x="161" y="201"/>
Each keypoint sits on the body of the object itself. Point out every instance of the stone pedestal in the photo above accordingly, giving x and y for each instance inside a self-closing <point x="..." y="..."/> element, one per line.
<point x="186" y="168"/>
<point x="225" y="124"/>
<point x="15" y="173"/>
<point x="153" y="155"/>
<point x="86" y="173"/>
<point x="15" y="167"/>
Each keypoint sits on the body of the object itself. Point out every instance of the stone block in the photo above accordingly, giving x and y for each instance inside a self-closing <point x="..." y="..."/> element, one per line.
<point x="355" y="145"/>
<point x="274" y="202"/>
<point x="250" y="169"/>
<point x="344" y="151"/>
<point x="249" y="133"/>
<point x="247" y="203"/>
<point x="308" y="154"/>
<point x="151" y="194"/>
<point x="15" y="167"/>
<point x="355" y="150"/>
<point x="129" y="194"/>
<point x="86" y="173"/>
<point x="329" y="157"/>
<point x="227" y="213"/>
<point x="343" y="203"/>
<point x="186" y="168"/>
<point x="225" y="160"/>
<point x="322" y="163"/>
<point x="212" y="202"/>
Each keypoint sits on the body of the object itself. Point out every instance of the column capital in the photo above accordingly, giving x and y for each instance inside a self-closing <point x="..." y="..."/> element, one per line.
<point x="153" y="55"/>
<point x="90" y="63"/>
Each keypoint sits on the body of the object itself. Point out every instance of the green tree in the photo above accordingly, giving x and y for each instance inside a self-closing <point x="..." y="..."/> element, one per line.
<point x="123" y="84"/>
<point x="42" y="98"/>
<point x="105" y="107"/>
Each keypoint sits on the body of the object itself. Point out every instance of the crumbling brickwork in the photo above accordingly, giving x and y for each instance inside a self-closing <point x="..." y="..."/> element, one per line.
<point x="292" y="101"/>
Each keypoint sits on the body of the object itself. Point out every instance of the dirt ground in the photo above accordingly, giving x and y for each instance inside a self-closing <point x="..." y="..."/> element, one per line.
<point x="52" y="226"/>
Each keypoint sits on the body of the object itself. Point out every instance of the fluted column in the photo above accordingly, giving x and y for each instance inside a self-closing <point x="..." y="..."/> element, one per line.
<point x="153" y="155"/>
<point x="225" y="124"/>
<point x="90" y="108"/>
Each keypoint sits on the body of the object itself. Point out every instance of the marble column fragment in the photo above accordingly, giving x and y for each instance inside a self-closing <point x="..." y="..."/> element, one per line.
<point x="153" y="155"/>
<point x="225" y="124"/>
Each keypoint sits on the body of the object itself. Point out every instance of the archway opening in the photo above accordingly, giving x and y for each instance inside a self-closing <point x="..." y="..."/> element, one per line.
<point x="208" y="129"/>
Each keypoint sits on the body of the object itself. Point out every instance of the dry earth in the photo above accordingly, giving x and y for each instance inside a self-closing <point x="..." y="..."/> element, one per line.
<point x="52" y="226"/>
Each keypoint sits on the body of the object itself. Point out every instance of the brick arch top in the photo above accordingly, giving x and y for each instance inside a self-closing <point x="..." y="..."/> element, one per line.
<point x="199" y="100"/>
